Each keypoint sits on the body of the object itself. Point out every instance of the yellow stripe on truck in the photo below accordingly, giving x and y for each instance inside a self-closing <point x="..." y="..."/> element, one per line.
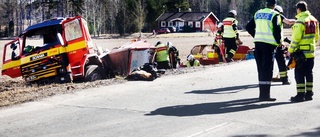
<point x="51" y="52"/>
<point x="51" y="73"/>
<point x="76" y="46"/>
<point x="54" y="51"/>
<point x="11" y="64"/>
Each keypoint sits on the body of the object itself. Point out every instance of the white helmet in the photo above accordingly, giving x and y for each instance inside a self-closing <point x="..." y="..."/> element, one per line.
<point x="219" y="25"/>
<point x="169" y="44"/>
<point x="190" y="57"/>
<point x="233" y="12"/>
<point x="278" y="8"/>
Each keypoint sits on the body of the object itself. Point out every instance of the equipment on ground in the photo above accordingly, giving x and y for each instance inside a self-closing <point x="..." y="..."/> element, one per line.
<point x="207" y="54"/>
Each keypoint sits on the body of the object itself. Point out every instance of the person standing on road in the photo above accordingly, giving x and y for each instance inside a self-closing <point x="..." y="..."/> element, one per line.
<point x="230" y="34"/>
<point x="266" y="30"/>
<point x="305" y="34"/>
<point x="162" y="56"/>
<point x="280" y="50"/>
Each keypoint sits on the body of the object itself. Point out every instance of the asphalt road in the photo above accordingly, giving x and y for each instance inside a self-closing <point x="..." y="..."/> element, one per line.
<point x="213" y="102"/>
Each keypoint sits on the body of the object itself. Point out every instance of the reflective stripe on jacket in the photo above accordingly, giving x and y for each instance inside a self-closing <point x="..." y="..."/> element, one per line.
<point x="228" y="31"/>
<point x="305" y="34"/>
<point x="162" y="53"/>
<point x="264" y="27"/>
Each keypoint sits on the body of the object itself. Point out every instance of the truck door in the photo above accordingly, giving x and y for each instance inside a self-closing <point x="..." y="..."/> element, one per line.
<point x="11" y="59"/>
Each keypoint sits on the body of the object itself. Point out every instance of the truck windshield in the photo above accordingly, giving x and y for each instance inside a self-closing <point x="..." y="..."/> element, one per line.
<point x="72" y="30"/>
<point x="41" y="39"/>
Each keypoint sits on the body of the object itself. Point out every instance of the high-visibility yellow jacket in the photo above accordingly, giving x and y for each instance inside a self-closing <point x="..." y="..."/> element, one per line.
<point x="305" y="34"/>
<point x="195" y="63"/>
<point x="281" y="24"/>
<point x="162" y="53"/>
<point x="228" y="31"/>
<point x="264" y="26"/>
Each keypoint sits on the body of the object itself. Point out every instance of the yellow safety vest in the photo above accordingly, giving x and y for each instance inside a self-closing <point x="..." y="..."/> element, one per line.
<point x="281" y="24"/>
<point x="228" y="31"/>
<point x="195" y="63"/>
<point x="162" y="53"/>
<point x="305" y="34"/>
<point x="264" y="27"/>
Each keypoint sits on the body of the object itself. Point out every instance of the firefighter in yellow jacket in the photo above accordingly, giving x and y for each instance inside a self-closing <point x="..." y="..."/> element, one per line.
<point x="305" y="34"/>
<point x="230" y="35"/>
<point x="162" y="56"/>
<point x="192" y="62"/>
<point x="281" y="50"/>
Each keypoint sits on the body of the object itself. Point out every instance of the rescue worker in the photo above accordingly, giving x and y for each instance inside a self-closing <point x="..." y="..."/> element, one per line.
<point x="14" y="55"/>
<point x="266" y="30"/>
<point x="173" y="55"/>
<point x="305" y="34"/>
<point x="192" y="62"/>
<point x="280" y="51"/>
<point x="218" y="45"/>
<point x="162" y="56"/>
<point x="230" y="35"/>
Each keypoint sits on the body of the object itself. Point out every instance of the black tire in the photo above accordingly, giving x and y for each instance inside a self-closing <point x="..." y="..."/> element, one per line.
<point x="93" y="72"/>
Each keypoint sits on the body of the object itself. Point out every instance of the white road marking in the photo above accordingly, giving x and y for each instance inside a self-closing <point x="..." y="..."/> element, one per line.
<point x="209" y="129"/>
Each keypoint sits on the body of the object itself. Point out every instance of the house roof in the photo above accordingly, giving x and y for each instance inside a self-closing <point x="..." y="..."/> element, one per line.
<point x="185" y="16"/>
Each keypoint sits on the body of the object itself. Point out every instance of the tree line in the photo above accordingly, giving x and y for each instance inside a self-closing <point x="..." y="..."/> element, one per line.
<point x="127" y="16"/>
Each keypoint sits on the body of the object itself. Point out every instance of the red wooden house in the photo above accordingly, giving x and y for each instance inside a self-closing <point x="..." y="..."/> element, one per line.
<point x="197" y="21"/>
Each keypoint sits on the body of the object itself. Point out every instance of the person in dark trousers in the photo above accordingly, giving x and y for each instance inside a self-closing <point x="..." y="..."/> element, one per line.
<point x="305" y="35"/>
<point x="162" y="56"/>
<point x="266" y="30"/>
<point x="173" y="56"/>
<point x="230" y="35"/>
<point x="280" y="50"/>
<point x="218" y="44"/>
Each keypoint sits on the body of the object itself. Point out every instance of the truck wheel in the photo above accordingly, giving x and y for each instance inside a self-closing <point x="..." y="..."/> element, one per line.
<point x="93" y="73"/>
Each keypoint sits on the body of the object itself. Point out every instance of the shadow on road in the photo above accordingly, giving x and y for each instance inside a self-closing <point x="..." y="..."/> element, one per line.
<point x="233" y="89"/>
<point x="315" y="133"/>
<point x="228" y="90"/>
<point x="257" y="135"/>
<point x="214" y="108"/>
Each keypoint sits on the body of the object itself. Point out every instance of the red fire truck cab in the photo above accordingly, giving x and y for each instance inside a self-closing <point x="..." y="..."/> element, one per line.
<point x="58" y="50"/>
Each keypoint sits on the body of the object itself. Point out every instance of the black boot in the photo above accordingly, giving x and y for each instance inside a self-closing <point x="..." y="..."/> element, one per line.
<point x="298" y="98"/>
<point x="229" y="60"/>
<point x="308" y="96"/>
<point x="265" y="93"/>
<point x="285" y="81"/>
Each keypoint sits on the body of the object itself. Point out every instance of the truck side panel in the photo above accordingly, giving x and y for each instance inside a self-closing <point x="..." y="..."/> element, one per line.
<point x="11" y="59"/>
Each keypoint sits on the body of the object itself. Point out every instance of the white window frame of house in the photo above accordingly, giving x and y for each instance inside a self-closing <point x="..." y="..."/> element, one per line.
<point x="163" y="23"/>
<point x="170" y="24"/>
<point x="190" y="23"/>
<point x="181" y="24"/>
<point x="198" y="24"/>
